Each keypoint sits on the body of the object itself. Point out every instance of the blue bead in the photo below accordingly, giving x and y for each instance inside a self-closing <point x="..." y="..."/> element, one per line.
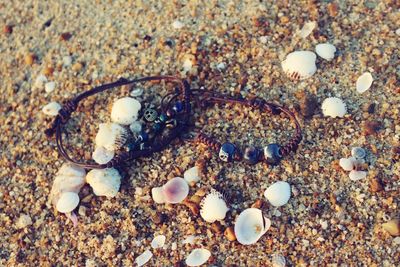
<point x="251" y="155"/>
<point x="144" y="136"/>
<point x="227" y="152"/>
<point x="178" y="107"/>
<point x="272" y="154"/>
<point x="163" y="117"/>
<point x="157" y="126"/>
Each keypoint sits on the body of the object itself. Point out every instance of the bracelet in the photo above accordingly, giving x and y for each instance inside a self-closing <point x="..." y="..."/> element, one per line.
<point x="175" y="115"/>
<point x="271" y="153"/>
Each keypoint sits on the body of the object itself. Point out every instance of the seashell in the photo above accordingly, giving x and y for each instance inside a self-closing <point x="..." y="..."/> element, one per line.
<point x="307" y="29"/>
<point x="357" y="175"/>
<point x="347" y="164"/>
<point x="300" y="65"/>
<point x="364" y="82"/>
<point x="136" y="92"/>
<point x="158" y="195"/>
<point x="198" y="257"/>
<point x="69" y="169"/>
<point x="192" y="175"/>
<point x="358" y="153"/>
<point x="213" y="207"/>
<point x="326" y="51"/>
<point x="67" y="202"/>
<point x="392" y="227"/>
<point x="334" y="107"/>
<point x="189" y="239"/>
<point x="105" y="182"/>
<point x="40" y="81"/>
<point x="278" y="260"/>
<point x="102" y="155"/>
<point x="143" y="258"/>
<point x="49" y="87"/>
<point x="177" y="25"/>
<point x="135" y="127"/>
<point x="250" y="226"/>
<point x="51" y="109"/>
<point x="175" y="190"/>
<point x="125" y="110"/>
<point x="158" y="241"/>
<point x="111" y="136"/>
<point x="278" y="194"/>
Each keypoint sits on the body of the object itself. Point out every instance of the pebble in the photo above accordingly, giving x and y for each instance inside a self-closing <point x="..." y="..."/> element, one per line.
<point x="398" y="31"/>
<point x="40" y="81"/>
<point x="158" y="241"/>
<point x="324" y="225"/>
<point x="7" y="29"/>
<point x="143" y="258"/>
<point x="396" y="240"/>
<point x="371" y="127"/>
<point x="308" y="105"/>
<point x="67" y="61"/>
<point x="65" y="36"/>
<point x="49" y="87"/>
<point x="392" y="227"/>
<point x="357" y="175"/>
<point x="230" y="233"/>
<point x="159" y="218"/>
<point x="177" y="25"/>
<point x="375" y="185"/>
<point x="23" y="221"/>
<point x="30" y="59"/>
<point x="51" y="109"/>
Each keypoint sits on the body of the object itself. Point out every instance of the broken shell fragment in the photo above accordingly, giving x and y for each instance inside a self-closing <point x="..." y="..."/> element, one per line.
<point x="364" y="82"/>
<point x="158" y="195"/>
<point x="111" y="136"/>
<point x="104" y="182"/>
<point x="250" y="226"/>
<point x="326" y="51"/>
<point x="192" y="175"/>
<point x="334" y="107"/>
<point x="213" y="207"/>
<point x="307" y="29"/>
<point x="278" y="194"/>
<point x="357" y="175"/>
<point x="198" y="257"/>
<point x="347" y="164"/>
<point x="125" y="110"/>
<point x="143" y="258"/>
<point x="300" y="65"/>
<point x="392" y="227"/>
<point x="67" y="202"/>
<point x="158" y="241"/>
<point x="51" y="109"/>
<point x="101" y="155"/>
<point x="175" y="190"/>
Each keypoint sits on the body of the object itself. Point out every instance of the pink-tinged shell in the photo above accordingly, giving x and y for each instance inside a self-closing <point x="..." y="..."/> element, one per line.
<point x="175" y="190"/>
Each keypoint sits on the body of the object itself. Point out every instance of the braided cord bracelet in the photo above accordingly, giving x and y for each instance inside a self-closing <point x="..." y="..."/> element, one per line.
<point x="271" y="153"/>
<point x="179" y="114"/>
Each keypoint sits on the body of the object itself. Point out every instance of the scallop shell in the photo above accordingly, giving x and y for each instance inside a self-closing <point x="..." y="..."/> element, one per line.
<point x="125" y="110"/>
<point x="198" y="257"/>
<point x="278" y="194"/>
<point x="158" y="241"/>
<point x="105" y="182"/>
<point x="326" y="51"/>
<point x="67" y="202"/>
<point x="51" y="109"/>
<point x="102" y="155"/>
<point x="143" y="258"/>
<point x="334" y="107"/>
<point x="250" y="226"/>
<point x="111" y="136"/>
<point x="364" y="82"/>
<point x="357" y="175"/>
<point x="175" y="190"/>
<point x="213" y="207"/>
<point x="300" y="65"/>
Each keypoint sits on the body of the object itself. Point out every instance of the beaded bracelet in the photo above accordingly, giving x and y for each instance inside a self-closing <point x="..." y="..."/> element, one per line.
<point x="271" y="153"/>
<point x="175" y="114"/>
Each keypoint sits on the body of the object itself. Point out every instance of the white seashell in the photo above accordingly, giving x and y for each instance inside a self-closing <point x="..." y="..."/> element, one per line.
<point x="158" y="195"/>
<point x="143" y="258"/>
<point x="364" y="82"/>
<point x="67" y="202"/>
<point x="158" y="241"/>
<point x="278" y="194"/>
<point x="187" y="65"/>
<point x="136" y="92"/>
<point x="51" y="109"/>
<point x="189" y="239"/>
<point x="326" y="51"/>
<point x="213" y="207"/>
<point x="102" y="155"/>
<point x="334" y="107"/>
<point x="125" y="110"/>
<point x="136" y="127"/>
<point x="192" y="175"/>
<point x="250" y="226"/>
<point x="278" y="260"/>
<point x="105" y="182"/>
<point x="177" y="25"/>
<point x="175" y="190"/>
<point x="358" y="153"/>
<point x="300" y="65"/>
<point x="307" y="29"/>
<point x="49" y="87"/>
<point x="347" y="164"/>
<point x="111" y="136"/>
<point x="69" y="169"/>
<point x="40" y="80"/>
<point x="357" y="175"/>
<point x="198" y="257"/>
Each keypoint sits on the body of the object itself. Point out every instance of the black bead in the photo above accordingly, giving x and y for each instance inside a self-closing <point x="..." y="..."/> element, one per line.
<point x="272" y="154"/>
<point x="251" y="154"/>
<point x="227" y="152"/>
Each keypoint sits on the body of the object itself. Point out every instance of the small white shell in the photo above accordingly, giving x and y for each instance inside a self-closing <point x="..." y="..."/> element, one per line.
<point x="177" y="25"/>
<point x="358" y="152"/>
<point x="175" y="190"/>
<point x="136" y="92"/>
<point x="250" y="226"/>
<point x="357" y="175"/>
<point x="135" y="127"/>
<point x="213" y="207"/>
<point x="67" y="202"/>
<point x="158" y="241"/>
<point x="278" y="194"/>
<point x="278" y="260"/>
<point x="49" y="87"/>
<point x="102" y="155"/>
<point x="69" y="169"/>
<point x="105" y="182"/>
<point x="143" y="258"/>
<point x="192" y="175"/>
<point x="158" y="195"/>
<point x="198" y="257"/>
<point x="307" y="29"/>
<point x="334" y="107"/>
<point x="111" y="136"/>
<point x="364" y="82"/>
<point x="326" y="51"/>
<point x="51" y="109"/>
<point x="347" y="164"/>
<point x="300" y="65"/>
<point x="125" y="110"/>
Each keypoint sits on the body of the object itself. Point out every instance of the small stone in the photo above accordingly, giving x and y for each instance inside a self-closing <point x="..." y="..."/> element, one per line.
<point x="371" y="127"/>
<point x="159" y="218"/>
<point x="23" y="221"/>
<point x="392" y="227"/>
<point x="67" y="61"/>
<point x="358" y="153"/>
<point x="332" y="9"/>
<point x="308" y="105"/>
<point x="51" y="109"/>
<point x="49" y="87"/>
<point x="158" y="241"/>
<point x="30" y="59"/>
<point x="77" y="67"/>
<point x="216" y="227"/>
<point x="192" y="175"/>
<point x="143" y="258"/>
<point x="376" y="185"/>
<point x="230" y="234"/>
<point x="357" y="175"/>
<point x="40" y="81"/>
<point x="284" y="19"/>
<point x="7" y="29"/>
<point x="82" y="211"/>
<point x="177" y="25"/>
<point x="65" y="36"/>
<point x="194" y="208"/>
<point x="48" y="71"/>
<point x="396" y="240"/>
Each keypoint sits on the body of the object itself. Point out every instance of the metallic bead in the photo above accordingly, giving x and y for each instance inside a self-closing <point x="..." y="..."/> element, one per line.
<point x="272" y="154"/>
<point x="163" y="117"/>
<point x="251" y="154"/>
<point x="227" y="152"/>
<point x="171" y="123"/>
<point x="150" y="114"/>
<point x="178" y="107"/>
<point x="171" y="113"/>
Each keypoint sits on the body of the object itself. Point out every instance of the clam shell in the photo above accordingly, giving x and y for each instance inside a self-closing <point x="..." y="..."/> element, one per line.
<point x="357" y="175"/>
<point x="175" y="190"/>
<point x="158" y="241"/>
<point x="67" y="202"/>
<point x="143" y="258"/>
<point x="51" y="109"/>
<point x="326" y="51"/>
<point x="213" y="207"/>
<point x="250" y="226"/>
<point x="198" y="257"/>
<point x="125" y="110"/>
<point x="101" y="155"/>
<point x="334" y="107"/>
<point x="278" y="194"/>
<point x="347" y="164"/>
<point x="111" y="136"/>
<point x="104" y="182"/>
<point x="364" y="82"/>
<point x="158" y="195"/>
<point x="300" y="65"/>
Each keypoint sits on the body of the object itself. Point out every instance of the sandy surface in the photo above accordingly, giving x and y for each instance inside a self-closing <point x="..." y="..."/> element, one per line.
<point x="330" y="220"/>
